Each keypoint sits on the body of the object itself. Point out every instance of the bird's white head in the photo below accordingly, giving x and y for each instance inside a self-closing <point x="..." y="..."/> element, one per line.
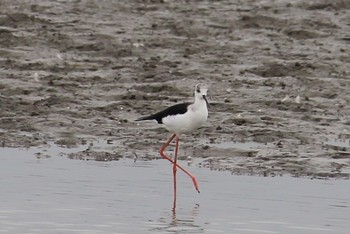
<point x="200" y="92"/>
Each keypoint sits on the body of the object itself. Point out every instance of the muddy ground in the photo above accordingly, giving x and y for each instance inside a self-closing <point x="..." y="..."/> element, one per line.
<point x="74" y="72"/>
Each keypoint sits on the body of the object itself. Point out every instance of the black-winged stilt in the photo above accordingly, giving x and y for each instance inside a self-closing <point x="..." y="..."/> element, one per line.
<point x="180" y="119"/>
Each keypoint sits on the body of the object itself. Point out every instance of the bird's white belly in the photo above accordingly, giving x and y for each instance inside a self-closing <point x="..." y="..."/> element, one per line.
<point x="185" y="123"/>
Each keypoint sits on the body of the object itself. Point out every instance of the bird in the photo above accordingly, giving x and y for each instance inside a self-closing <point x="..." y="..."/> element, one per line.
<point x="182" y="118"/>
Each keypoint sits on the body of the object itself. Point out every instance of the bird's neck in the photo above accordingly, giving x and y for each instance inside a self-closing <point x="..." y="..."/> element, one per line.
<point x="198" y="103"/>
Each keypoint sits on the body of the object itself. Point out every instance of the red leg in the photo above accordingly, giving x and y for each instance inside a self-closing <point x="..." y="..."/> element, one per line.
<point x="174" y="169"/>
<point x="164" y="147"/>
<point x="161" y="151"/>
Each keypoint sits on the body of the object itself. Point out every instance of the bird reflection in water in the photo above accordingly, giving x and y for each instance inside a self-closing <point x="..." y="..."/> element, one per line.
<point x="180" y="222"/>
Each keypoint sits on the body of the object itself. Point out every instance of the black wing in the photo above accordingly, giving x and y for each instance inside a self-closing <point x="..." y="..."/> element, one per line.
<point x="177" y="109"/>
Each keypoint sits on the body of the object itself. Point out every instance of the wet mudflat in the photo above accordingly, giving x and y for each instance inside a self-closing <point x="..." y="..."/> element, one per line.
<point x="72" y="71"/>
<point x="59" y="195"/>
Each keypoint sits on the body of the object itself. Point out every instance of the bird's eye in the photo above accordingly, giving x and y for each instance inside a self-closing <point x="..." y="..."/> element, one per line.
<point x="198" y="90"/>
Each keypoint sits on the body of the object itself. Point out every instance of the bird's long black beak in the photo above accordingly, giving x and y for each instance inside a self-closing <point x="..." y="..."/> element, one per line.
<point x="205" y="98"/>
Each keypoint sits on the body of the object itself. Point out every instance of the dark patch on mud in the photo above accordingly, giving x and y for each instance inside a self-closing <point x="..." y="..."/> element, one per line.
<point x="278" y="73"/>
<point x="94" y="155"/>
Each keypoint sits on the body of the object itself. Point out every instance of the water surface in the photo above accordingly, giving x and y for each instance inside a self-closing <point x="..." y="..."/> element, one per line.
<point x="60" y="195"/>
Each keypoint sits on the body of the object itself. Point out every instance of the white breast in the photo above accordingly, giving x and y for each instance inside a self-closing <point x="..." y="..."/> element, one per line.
<point x="188" y="122"/>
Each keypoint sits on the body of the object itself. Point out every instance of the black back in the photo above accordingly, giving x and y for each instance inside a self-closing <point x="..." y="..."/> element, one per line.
<point x="177" y="109"/>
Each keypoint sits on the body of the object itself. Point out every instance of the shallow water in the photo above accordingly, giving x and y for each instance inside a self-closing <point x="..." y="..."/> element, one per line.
<point x="245" y="145"/>
<point x="59" y="195"/>
<point x="339" y="144"/>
